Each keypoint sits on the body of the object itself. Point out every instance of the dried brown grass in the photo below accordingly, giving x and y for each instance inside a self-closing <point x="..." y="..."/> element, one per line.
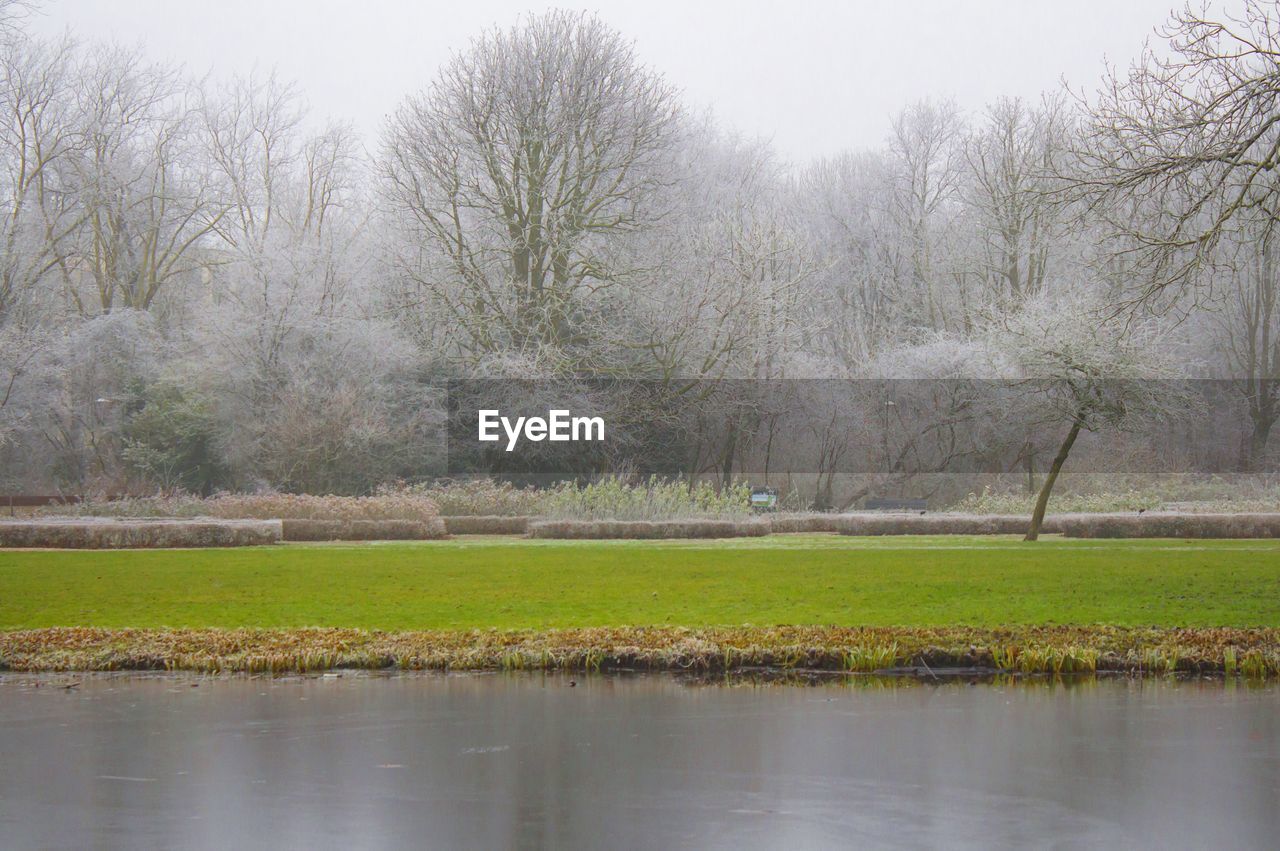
<point x="1064" y="649"/>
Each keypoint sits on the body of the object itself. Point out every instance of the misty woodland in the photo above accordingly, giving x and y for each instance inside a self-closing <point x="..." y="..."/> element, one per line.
<point x="203" y="287"/>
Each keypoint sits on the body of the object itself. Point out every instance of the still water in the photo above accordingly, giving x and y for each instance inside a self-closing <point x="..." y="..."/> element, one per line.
<point x="499" y="761"/>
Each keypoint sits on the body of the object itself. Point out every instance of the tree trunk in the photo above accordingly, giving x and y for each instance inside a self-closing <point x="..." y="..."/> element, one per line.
<point x="726" y="463"/>
<point x="1263" y="420"/>
<point x="1029" y="462"/>
<point x="1042" y="501"/>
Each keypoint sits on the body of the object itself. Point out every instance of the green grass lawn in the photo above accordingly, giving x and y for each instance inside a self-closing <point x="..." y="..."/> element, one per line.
<point x="819" y="580"/>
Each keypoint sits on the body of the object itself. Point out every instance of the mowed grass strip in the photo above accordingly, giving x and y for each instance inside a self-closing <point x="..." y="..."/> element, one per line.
<point x="801" y="580"/>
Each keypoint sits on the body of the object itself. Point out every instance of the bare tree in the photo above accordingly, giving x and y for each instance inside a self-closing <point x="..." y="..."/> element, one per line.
<point x="13" y="13"/>
<point x="925" y="146"/>
<point x="518" y="169"/>
<point x="38" y="138"/>
<point x="1247" y="324"/>
<point x="1011" y="158"/>
<point x="547" y="209"/>
<point x="1080" y="367"/>
<point x="285" y="318"/>
<point x="272" y="174"/>
<point x="858" y="295"/>
<point x="1186" y="143"/>
<point x="291" y="197"/>
<point x="144" y="205"/>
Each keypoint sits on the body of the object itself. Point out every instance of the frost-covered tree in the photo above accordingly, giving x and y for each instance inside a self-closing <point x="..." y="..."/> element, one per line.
<point x="926" y="152"/>
<point x="514" y="177"/>
<point x="858" y="298"/>
<point x="201" y="284"/>
<point x="1244" y="325"/>
<point x="39" y="139"/>
<point x="141" y="192"/>
<point x="1182" y="147"/>
<point x="316" y="387"/>
<point x="1012" y="157"/>
<point x="1080" y="367"/>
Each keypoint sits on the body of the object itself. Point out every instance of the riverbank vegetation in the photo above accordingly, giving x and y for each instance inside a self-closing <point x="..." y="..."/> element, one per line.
<point x="1249" y="653"/>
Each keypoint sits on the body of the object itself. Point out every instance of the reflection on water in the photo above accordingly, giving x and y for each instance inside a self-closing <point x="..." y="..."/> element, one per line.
<point x="493" y="761"/>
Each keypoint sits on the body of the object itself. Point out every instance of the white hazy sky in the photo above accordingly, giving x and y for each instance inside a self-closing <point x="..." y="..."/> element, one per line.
<point x="816" y="77"/>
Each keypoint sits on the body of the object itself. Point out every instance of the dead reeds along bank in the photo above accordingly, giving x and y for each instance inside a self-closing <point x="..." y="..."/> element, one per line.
<point x="647" y="529"/>
<point x="1248" y="653"/>
<point x="133" y="533"/>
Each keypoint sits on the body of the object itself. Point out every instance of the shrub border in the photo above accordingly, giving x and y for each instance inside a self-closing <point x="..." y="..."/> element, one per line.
<point x="486" y="524"/>
<point x="363" y="530"/>
<point x="135" y="533"/>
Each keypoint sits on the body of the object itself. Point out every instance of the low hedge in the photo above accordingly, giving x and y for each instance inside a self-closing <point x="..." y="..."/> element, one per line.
<point x="114" y="534"/>
<point x="363" y="530"/>
<point x="489" y="524"/>
<point x="941" y="524"/>
<point x="647" y="530"/>
<point x="804" y="523"/>
<point x="1172" y="526"/>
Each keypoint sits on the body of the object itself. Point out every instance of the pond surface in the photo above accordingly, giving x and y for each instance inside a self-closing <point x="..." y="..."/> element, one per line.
<point x="499" y="761"/>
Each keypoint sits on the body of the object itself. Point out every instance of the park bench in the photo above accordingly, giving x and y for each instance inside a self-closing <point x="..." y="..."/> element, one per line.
<point x="14" y="501"/>
<point x="884" y="504"/>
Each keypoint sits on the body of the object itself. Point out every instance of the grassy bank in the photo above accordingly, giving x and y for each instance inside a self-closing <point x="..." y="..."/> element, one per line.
<point x="541" y="585"/>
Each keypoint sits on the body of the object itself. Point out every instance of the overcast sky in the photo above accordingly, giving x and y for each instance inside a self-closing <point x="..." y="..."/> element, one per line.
<point x="816" y="77"/>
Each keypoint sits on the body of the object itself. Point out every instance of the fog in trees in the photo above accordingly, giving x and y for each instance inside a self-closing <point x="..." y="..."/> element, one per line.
<point x="204" y="286"/>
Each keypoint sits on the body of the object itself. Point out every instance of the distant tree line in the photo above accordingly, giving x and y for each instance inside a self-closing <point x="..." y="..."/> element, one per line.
<point x="203" y="287"/>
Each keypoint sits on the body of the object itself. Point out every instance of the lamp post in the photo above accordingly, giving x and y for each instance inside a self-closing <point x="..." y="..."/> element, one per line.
<point x="884" y="435"/>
